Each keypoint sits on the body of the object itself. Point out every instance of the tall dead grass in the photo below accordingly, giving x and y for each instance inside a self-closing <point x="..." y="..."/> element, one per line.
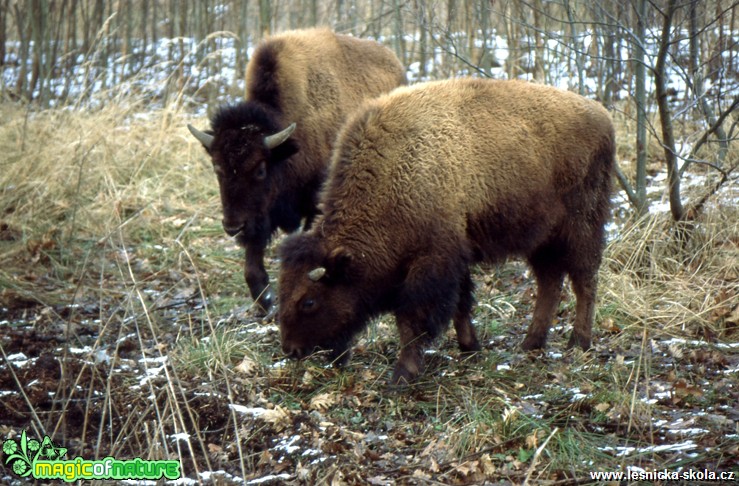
<point x="655" y="279"/>
<point x="670" y="279"/>
<point x="71" y="179"/>
<point x="105" y="206"/>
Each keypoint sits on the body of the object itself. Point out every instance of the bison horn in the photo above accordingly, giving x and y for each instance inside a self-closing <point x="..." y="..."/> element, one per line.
<point x="278" y="138"/>
<point x="317" y="274"/>
<point x="204" y="138"/>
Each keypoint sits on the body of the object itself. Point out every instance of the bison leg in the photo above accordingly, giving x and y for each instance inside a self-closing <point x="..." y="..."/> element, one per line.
<point x="410" y="362"/>
<point x="549" y="278"/>
<point x="428" y="300"/>
<point x="257" y="278"/>
<point x="585" y="289"/>
<point x="466" y="336"/>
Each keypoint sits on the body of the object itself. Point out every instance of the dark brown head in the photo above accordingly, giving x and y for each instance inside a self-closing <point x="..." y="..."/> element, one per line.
<point x="247" y="146"/>
<point x="321" y="305"/>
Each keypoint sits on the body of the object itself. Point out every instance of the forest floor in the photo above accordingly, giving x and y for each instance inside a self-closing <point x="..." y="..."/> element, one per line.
<point x="126" y="331"/>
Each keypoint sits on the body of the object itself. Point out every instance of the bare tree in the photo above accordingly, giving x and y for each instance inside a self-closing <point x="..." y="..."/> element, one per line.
<point x="668" y="136"/>
<point x="265" y="17"/>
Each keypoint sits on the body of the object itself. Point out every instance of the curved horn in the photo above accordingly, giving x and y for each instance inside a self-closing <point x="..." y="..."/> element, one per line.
<point x="204" y="138"/>
<point x="278" y="138"/>
<point x="317" y="274"/>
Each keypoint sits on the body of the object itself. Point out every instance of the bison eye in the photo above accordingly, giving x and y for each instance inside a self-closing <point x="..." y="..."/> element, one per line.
<point x="261" y="173"/>
<point x="308" y="305"/>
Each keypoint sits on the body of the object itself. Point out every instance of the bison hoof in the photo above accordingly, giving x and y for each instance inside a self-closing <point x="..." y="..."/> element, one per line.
<point x="402" y="377"/>
<point x="265" y="303"/>
<point x="267" y="316"/>
<point x="533" y="342"/>
<point x="579" y="341"/>
<point x="340" y="359"/>
<point x="470" y="348"/>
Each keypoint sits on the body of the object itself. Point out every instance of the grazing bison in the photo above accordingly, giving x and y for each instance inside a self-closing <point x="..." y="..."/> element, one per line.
<point x="431" y="178"/>
<point x="270" y="152"/>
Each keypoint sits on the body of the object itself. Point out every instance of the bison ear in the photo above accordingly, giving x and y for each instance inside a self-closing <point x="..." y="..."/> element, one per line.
<point x="282" y="152"/>
<point x="281" y="145"/>
<point x="341" y="265"/>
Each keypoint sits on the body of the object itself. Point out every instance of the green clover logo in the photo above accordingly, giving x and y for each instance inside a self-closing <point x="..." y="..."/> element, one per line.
<point x="49" y="450"/>
<point x="20" y="467"/>
<point x="9" y="447"/>
<point x="22" y="454"/>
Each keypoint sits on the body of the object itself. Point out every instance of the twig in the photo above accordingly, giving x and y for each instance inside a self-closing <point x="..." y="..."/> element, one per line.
<point x="38" y="423"/>
<point x="707" y="133"/>
<point x="627" y="186"/>
<point x="538" y="452"/>
<point x="694" y="209"/>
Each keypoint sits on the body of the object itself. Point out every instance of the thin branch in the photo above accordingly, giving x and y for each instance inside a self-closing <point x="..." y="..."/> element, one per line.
<point x="695" y="209"/>
<point x="627" y="187"/>
<point x="668" y="136"/>
<point x="704" y="138"/>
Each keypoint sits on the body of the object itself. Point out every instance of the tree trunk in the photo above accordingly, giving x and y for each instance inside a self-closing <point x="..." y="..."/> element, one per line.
<point x="398" y="33"/>
<point x="641" y="109"/>
<point x="578" y="48"/>
<point x="420" y="7"/>
<point x="265" y="18"/>
<point x="696" y="73"/>
<point x="4" y="8"/>
<point x="668" y="137"/>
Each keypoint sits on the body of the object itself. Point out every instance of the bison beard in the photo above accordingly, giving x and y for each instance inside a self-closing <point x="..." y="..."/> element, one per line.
<point x="435" y="177"/>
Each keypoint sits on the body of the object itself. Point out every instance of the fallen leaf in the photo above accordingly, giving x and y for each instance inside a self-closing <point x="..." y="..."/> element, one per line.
<point x="733" y="318"/>
<point x="247" y="367"/>
<point x="265" y="459"/>
<point x="278" y="417"/>
<point x="467" y="468"/>
<point x="213" y="448"/>
<point x="681" y="390"/>
<point x="307" y="378"/>
<point x="378" y="480"/>
<point x="418" y="474"/>
<point x="602" y="407"/>
<point x="486" y="464"/>
<point x="675" y="350"/>
<point x="708" y="357"/>
<point x="429" y="448"/>
<point x="509" y="414"/>
<point x="323" y="401"/>
<point x="609" y="325"/>
<point x="532" y="440"/>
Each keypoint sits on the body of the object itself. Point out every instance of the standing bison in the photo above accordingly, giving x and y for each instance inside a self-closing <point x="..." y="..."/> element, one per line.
<point x="270" y="152"/>
<point x="432" y="178"/>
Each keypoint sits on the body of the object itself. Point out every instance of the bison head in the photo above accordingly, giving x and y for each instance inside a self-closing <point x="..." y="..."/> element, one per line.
<point x="320" y="305"/>
<point x="247" y="146"/>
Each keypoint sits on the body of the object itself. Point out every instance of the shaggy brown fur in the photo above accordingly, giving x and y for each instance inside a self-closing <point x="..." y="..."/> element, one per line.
<point x="312" y="78"/>
<point x="432" y="178"/>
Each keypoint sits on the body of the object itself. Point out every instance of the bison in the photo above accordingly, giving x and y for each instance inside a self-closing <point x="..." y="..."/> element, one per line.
<point x="270" y="151"/>
<point x="432" y="178"/>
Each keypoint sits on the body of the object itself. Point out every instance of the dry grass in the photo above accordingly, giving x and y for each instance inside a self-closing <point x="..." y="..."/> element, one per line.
<point x="72" y="180"/>
<point x="111" y="242"/>
<point x="671" y="288"/>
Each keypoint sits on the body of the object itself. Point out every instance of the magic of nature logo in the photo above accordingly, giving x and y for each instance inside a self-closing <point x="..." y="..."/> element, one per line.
<point x="30" y="458"/>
